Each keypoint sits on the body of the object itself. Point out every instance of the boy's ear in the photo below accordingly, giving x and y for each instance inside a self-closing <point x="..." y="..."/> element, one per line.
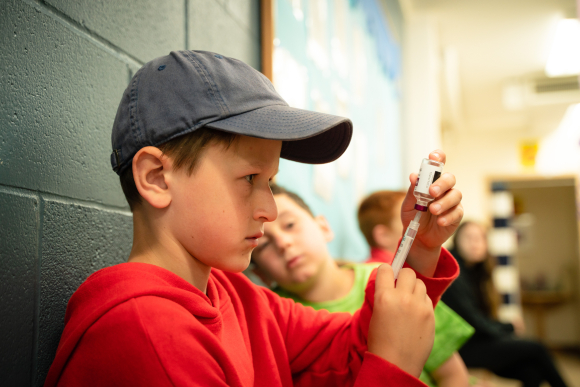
<point x="150" y="169"/>
<point x="325" y="227"/>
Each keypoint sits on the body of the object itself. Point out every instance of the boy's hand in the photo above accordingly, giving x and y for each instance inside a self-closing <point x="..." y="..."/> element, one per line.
<point x="437" y="224"/>
<point x="402" y="327"/>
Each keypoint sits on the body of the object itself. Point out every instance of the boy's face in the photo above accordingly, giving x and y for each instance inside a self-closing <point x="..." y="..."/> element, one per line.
<point x="387" y="237"/>
<point x="294" y="247"/>
<point x="218" y="212"/>
<point x="396" y="225"/>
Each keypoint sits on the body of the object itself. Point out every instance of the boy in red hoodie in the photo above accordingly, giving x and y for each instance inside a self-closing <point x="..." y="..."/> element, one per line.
<point x="196" y="141"/>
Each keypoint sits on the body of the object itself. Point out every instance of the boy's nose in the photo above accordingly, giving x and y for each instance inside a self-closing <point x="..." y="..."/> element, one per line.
<point x="266" y="207"/>
<point x="282" y="241"/>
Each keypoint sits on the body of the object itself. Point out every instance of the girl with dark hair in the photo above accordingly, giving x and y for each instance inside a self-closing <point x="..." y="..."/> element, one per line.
<point x="494" y="345"/>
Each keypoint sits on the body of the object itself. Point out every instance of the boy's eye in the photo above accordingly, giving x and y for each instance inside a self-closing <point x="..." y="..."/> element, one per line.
<point x="250" y="178"/>
<point x="289" y="225"/>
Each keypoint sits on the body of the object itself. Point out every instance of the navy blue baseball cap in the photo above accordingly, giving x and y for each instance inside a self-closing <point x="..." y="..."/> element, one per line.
<point x="187" y="90"/>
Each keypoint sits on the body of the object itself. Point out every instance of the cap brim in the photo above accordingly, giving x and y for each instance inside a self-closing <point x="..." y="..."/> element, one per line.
<point x="308" y="137"/>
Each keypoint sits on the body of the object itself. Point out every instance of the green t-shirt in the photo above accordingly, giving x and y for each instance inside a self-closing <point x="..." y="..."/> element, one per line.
<point x="349" y="303"/>
<point x="451" y="331"/>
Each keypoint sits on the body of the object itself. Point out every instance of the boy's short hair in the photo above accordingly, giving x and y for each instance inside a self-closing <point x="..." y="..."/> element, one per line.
<point x="278" y="190"/>
<point x="377" y="208"/>
<point x="185" y="151"/>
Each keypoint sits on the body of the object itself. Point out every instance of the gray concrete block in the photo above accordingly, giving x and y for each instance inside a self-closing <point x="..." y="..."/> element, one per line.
<point x="145" y="29"/>
<point x="58" y="99"/>
<point x="247" y="13"/>
<point x="18" y="258"/>
<point x="212" y="28"/>
<point x="77" y="241"/>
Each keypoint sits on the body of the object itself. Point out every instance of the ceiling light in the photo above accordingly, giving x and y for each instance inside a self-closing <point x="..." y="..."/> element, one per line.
<point x="559" y="152"/>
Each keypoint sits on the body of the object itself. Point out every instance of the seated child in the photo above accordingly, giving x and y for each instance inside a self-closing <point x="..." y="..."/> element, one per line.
<point x="379" y="221"/>
<point x="293" y="254"/>
<point x="196" y="141"/>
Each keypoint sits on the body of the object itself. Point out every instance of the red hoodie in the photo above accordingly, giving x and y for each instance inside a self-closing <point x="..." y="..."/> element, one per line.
<point x="140" y="325"/>
<point x="380" y="255"/>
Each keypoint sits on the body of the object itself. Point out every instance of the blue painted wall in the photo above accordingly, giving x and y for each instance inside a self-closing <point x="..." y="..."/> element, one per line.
<point x="368" y="93"/>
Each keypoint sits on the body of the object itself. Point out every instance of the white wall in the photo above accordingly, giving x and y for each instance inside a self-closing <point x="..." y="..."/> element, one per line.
<point x="473" y="157"/>
<point x="421" y="111"/>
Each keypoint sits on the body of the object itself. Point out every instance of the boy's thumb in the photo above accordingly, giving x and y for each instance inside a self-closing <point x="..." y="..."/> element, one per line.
<point x="385" y="278"/>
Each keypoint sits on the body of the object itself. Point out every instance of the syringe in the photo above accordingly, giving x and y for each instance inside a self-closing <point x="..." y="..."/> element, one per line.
<point x="405" y="245"/>
<point x="428" y="174"/>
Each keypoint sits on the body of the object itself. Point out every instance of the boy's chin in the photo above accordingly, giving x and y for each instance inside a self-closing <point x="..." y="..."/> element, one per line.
<point x="302" y="278"/>
<point x="234" y="265"/>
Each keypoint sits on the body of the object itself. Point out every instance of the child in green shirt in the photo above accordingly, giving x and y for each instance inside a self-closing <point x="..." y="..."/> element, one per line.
<point x="293" y="258"/>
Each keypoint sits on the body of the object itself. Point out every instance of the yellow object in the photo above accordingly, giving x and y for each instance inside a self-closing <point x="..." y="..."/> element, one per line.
<point x="528" y="151"/>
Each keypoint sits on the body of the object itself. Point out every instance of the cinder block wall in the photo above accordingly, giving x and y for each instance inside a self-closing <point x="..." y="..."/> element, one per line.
<point x="63" y="67"/>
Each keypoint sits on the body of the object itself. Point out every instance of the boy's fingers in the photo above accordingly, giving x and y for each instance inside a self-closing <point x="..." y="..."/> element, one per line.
<point x="438" y="155"/>
<point x="385" y="278"/>
<point x="406" y="280"/>
<point x="420" y="289"/>
<point x="451" y="217"/>
<point x="409" y="201"/>
<point x="442" y="185"/>
<point x="450" y="200"/>
<point x="428" y="300"/>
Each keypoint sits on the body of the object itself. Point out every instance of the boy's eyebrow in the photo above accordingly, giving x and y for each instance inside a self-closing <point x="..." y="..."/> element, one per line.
<point x="260" y="164"/>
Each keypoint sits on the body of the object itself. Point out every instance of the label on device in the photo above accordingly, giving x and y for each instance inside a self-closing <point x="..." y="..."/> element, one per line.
<point x="428" y="174"/>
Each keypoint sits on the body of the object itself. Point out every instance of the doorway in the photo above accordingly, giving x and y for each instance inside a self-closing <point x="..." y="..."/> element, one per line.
<point x="548" y="259"/>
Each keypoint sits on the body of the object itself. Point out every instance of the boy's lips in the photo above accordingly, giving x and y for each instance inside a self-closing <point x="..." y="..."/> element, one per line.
<point x="253" y="239"/>
<point x="294" y="261"/>
<point x="257" y="235"/>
